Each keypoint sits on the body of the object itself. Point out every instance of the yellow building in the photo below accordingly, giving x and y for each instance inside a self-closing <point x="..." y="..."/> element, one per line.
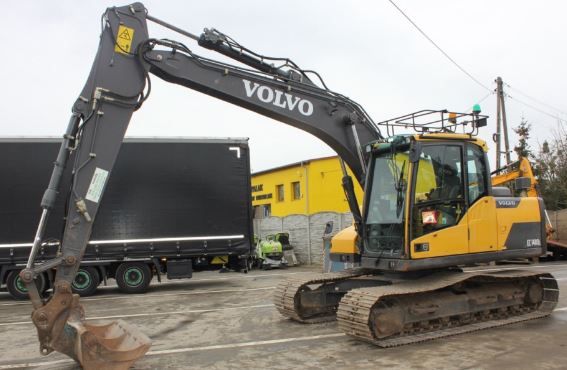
<point x="301" y="188"/>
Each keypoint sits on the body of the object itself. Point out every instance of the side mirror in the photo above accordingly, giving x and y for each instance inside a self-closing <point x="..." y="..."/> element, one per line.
<point x="480" y="122"/>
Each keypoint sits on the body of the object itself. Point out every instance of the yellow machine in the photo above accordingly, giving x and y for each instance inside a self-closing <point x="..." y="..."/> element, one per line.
<point x="482" y="215"/>
<point x="517" y="170"/>
<point x="429" y="207"/>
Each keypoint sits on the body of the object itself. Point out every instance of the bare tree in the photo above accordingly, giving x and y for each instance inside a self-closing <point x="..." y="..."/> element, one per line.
<point x="551" y="170"/>
<point x="523" y="131"/>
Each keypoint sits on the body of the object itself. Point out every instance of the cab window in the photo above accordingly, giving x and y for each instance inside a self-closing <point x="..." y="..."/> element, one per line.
<point x="439" y="192"/>
<point x="476" y="173"/>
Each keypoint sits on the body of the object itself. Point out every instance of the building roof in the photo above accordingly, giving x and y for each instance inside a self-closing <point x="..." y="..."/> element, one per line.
<point x="291" y="165"/>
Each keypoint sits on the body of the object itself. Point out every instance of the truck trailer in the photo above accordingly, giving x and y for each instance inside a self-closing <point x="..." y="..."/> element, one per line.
<point x="171" y="207"/>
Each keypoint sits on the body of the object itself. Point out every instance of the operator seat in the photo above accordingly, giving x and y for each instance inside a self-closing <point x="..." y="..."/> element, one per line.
<point x="451" y="183"/>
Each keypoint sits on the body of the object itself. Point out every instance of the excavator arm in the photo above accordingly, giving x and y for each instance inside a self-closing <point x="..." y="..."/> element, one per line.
<point x="117" y="85"/>
<point x="522" y="168"/>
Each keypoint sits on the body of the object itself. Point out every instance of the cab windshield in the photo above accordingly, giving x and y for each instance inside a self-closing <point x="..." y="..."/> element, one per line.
<point x="385" y="212"/>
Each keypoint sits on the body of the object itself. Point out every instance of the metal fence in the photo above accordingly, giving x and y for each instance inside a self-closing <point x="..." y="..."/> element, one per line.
<point x="559" y="221"/>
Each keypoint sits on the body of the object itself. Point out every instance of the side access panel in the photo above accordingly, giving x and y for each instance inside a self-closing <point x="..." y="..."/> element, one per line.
<point x="520" y="224"/>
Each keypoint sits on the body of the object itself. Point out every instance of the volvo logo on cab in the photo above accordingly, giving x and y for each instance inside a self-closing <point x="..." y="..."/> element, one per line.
<point x="278" y="98"/>
<point x="507" y="203"/>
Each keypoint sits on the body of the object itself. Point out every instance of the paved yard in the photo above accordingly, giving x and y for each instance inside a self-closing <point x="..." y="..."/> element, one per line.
<point x="227" y="321"/>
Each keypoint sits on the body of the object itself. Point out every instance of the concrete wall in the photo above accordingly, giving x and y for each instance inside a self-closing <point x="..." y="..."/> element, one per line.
<point x="559" y="222"/>
<point x="305" y="232"/>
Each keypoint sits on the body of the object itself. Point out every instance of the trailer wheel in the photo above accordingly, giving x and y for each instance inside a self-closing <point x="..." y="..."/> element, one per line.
<point x="17" y="288"/>
<point x="133" y="277"/>
<point x="86" y="281"/>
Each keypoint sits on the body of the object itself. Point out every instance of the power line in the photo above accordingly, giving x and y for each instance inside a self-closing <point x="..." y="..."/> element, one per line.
<point x="536" y="100"/>
<point x="536" y="109"/>
<point x="439" y="48"/>
<point x="477" y="81"/>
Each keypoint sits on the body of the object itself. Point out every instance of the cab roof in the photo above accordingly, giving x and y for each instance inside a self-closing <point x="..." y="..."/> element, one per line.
<point x="438" y="136"/>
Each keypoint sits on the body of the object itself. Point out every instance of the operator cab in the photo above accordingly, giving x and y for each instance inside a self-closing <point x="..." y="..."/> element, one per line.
<point x="421" y="184"/>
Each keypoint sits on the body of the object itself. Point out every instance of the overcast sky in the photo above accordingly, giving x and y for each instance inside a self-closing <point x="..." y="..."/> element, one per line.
<point x="363" y="49"/>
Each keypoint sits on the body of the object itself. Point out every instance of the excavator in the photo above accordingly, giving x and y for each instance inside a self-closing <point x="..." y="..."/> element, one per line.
<point x="429" y="206"/>
<point x="519" y="174"/>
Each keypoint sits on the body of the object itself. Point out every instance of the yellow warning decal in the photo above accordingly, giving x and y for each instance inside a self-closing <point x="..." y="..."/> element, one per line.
<point x="219" y="260"/>
<point x="124" y="40"/>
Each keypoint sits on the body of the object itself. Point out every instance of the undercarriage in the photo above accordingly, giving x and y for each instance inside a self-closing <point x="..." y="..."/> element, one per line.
<point x="396" y="310"/>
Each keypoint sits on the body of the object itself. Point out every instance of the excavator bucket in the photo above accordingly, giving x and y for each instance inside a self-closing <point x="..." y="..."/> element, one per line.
<point x="113" y="346"/>
<point x="62" y="327"/>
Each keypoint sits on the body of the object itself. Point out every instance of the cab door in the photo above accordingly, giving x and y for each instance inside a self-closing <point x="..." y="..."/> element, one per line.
<point x="481" y="214"/>
<point x="439" y="224"/>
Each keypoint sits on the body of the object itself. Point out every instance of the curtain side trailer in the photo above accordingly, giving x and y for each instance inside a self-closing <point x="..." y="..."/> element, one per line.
<point x="172" y="206"/>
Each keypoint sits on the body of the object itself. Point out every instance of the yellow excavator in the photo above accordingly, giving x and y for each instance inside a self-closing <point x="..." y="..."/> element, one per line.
<point x="429" y="206"/>
<point x="515" y="179"/>
<point x="517" y="176"/>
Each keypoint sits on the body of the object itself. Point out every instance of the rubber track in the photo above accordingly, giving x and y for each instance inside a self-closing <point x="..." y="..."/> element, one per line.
<point x="286" y="295"/>
<point x="356" y="306"/>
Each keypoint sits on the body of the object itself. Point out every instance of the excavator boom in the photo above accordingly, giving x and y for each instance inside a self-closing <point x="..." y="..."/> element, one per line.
<point x="118" y="84"/>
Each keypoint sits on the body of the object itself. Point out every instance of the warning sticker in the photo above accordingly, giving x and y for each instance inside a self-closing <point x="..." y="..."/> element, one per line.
<point x="97" y="185"/>
<point x="124" y="39"/>
<point x="429" y="217"/>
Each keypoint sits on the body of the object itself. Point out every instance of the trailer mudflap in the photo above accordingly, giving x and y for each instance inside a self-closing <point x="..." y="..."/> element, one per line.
<point x="179" y="269"/>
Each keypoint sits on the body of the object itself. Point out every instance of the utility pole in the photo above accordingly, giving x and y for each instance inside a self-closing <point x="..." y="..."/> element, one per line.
<point x="501" y="125"/>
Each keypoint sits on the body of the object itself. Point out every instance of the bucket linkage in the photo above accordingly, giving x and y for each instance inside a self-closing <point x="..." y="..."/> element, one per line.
<point x="61" y="327"/>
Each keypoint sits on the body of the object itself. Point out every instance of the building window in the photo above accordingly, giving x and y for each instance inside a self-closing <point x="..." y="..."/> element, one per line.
<point x="295" y="190"/>
<point x="267" y="210"/>
<point x="262" y="211"/>
<point x="280" y="193"/>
